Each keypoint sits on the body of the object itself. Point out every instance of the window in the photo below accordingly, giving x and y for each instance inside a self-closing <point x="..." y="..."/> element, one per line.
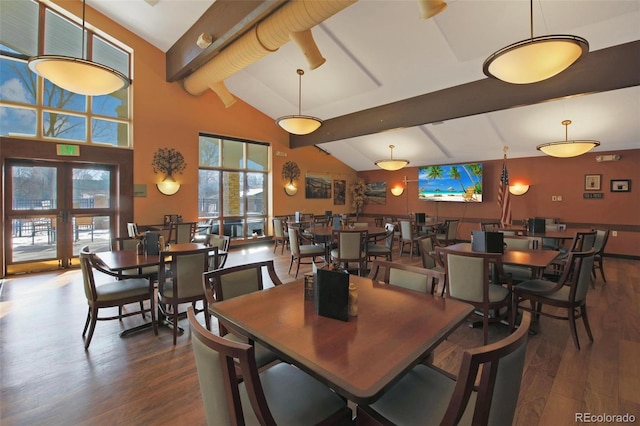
<point x="232" y="187"/>
<point x="35" y="108"/>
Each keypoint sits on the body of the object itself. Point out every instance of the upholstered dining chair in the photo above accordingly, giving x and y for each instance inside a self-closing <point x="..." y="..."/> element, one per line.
<point x="406" y="276"/>
<point x="426" y="244"/>
<point x="448" y="232"/>
<point x="180" y="281"/>
<point x="352" y="248"/>
<point x="375" y="249"/>
<point x="301" y="251"/>
<point x="490" y="226"/>
<point x="182" y="232"/>
<point x="602" y="236"/>
<point x="427" y="395"/>
<point x="222" y="242"/>
<point x="477" y="278"/>
<point x="408" y="236"/>
<point x="582" y="241"/>
<point x="279" y="395"/>
<point x="569" y="293"/>
<point x="227" y="283"/>
<point x="280" y="236"/>
<point x="116" y="293"/>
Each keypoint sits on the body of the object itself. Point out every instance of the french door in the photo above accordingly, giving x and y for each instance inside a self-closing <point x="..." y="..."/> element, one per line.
<point x="53" y="209"/>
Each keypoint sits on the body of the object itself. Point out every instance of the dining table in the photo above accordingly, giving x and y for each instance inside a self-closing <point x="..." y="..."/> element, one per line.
<point x="360" y="358"/>
<point x="535" y="259"/>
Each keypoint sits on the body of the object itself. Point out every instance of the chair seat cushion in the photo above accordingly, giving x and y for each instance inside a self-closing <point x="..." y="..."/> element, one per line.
<point x="423" y="393"/>
<point x="497" y="293"/>
<point x="294" y="397"/>
<point x="122" y="289"/>
<point x="263" y="355"/>
<point x="311" y="249"/>
<point x="378" y="249"/>
<point x="334" y="253"/>
<point x="518" y="273"/>
<point x="537" y="286"/>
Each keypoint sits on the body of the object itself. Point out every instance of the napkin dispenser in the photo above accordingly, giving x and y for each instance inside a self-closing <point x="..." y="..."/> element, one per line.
<point x="487" y="242"/>
<point x="331" y="294"/>
<point x="537" y="225"/>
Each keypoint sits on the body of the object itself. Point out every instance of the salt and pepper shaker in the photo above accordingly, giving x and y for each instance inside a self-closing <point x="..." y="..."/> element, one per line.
<point x="353" y="300"/>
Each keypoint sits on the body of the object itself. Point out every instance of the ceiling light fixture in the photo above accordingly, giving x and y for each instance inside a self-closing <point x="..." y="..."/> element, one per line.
<point x="430" y="8"/>
<point x="391" y="164"/>
<point x="79" y="75"/>
<point x="567" y="148"/>
<point x="299" y="124"/>
<point x="535" y="59"/>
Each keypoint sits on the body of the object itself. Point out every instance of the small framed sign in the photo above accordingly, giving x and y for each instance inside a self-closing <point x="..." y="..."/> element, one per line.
<point x="620" y="185"/>
<point x="593" y="195"/>
<point x="592" y="182"/>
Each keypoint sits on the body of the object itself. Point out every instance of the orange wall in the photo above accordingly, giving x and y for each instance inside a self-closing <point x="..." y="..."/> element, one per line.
<point x="547" y="176"/>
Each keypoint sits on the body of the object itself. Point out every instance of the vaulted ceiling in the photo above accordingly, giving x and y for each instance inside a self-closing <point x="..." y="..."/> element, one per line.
<point x="379" y="53"/>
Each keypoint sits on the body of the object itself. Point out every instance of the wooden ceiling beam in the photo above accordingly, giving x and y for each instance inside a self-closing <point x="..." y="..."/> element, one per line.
<point x="225" y="21"/>
<point x="600" y="71"/>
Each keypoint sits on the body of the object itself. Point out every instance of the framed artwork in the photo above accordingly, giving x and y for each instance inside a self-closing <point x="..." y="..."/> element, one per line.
<point x="317" y="186"/>
<point x="375" y="193"/>
<point x="620" y="185"/>
<point x="339" y="192"/>
<point x="592" y="182"/>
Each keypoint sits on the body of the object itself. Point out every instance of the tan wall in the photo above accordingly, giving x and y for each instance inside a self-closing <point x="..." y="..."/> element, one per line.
<point x="547" y="176"/>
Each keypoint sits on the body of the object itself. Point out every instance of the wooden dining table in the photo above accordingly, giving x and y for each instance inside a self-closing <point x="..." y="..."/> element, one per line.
<point x="535" y="259"/>
<point x="394" y="330"/>
<point x="327" y="231"/>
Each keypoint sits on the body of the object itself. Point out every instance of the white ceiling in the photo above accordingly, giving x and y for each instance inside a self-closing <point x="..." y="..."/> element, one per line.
<point x="379" y="51"/>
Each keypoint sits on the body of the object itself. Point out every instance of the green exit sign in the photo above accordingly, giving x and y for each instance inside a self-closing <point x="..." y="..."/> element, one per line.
<point x="68" y="150"/>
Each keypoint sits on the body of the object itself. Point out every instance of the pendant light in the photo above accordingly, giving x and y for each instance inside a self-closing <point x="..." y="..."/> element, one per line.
<point x="535" y="59"/>
<point x="79" y="75"/>
<point x="567" y="148"/>
<point x="391" y="164"/>
<point x="299" y="124"/>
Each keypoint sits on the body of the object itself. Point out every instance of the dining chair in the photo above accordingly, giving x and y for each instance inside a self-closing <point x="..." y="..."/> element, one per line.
<point x="182" y="232"/>
<point x="427" y="395"/>
<point x="602" y="236"/>
<point x="408" y="236"/>
<point x="375" y="250"/>
<point x="227" y="283"/>
<point x="406" y="276"/>
<point x="281" y="394"/>
<point x="132" y="230"/>
<point x="490" y="226"/>
<point x="352" y="248"/>
<point x="520" y="273"/>
<point x="477" y="278"/>
<point x="582" y="241"/>
<point x="127" y="243"/>
<point x="448" y="232"/>
<point x="426" y="244"/>
<point x="180" y="281"/>
<point x="301" y="251"/>
<point x="280" y="236"/>
<point x="222" y="242"/>
<point x="116" y="293"/>
<point x="569" y="293"/>
<point x="550" y="243"/>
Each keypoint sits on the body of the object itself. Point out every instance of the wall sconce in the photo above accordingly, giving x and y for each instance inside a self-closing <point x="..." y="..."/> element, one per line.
<point x="397" y="190"/>
<point x="291" y="171"/>
<point x="168" y="186"/>
<point x="290" y="188"/>
<point x="518" y="189"/>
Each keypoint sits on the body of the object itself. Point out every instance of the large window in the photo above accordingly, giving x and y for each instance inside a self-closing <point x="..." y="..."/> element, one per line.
<point x="33" y="107"/>
<point x="232" y="187"/>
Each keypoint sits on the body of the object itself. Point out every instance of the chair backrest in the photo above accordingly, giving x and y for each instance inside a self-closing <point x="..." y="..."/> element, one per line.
<point x="221" y="241"/>
<point x="499" y="386"/>
<point x="425" y="242"/>
<point x="182" y="232"/>
<point x="235" y="281"/>
<point x="518" y="243"/>
<point x="294" y="241"/>
<point x="132" y="229"/>
<point x="602" y="236"/>
<point x="389" y="236"/>
<point x="360" y="225"/>
<point x="452" y="228"/>
<point x="577" y="274"/>
<point x="123" y="243"/>
<point x="583" y="241"/>
<point x="405" y="230"/>
<point x="87" y="274"/>
<point x="351" y="244"/>
<point x="490" y="226"/>
<point x="406" y="276"/>
<point x="216" y="360"/>
<point x="468" y="273"/>
<point x="184" y="268"/>
<point x="278" y="228"/>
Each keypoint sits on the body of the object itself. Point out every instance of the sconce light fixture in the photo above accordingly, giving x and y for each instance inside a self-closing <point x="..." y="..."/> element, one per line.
<point x="168" y="186"/>
<point x="397" y="190"/>
<point x="518" y="189"/>
<point x="291" y="171"/>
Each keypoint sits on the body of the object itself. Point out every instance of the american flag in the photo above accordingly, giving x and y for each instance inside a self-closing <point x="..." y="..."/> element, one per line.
<point x="504" y="197"/>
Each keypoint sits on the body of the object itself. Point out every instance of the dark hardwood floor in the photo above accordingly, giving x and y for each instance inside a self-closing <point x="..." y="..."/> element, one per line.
<point x="46" y="377"/>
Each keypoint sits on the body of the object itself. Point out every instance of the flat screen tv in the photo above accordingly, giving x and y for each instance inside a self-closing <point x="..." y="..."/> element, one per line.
<point x="453" y="182"/>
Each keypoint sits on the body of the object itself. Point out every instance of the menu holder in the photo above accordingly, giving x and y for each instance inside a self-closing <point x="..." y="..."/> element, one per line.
<point x="331" y="296"/>
<point x="537" y="226"/>
<point x="487" y="242"/>
<point x="421" y="217"/>
<point x="152" y="243"/>
<point x="336" y="222"/>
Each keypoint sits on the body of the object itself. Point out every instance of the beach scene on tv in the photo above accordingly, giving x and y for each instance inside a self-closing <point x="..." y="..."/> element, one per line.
<point x="456" y="182"/>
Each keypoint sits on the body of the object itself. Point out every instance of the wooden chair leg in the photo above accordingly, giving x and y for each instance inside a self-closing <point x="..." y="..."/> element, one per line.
<point x="585" y="320"/>
<point x="92" y="327"/>
<point x="175" y="324"/>
<point x="86" y="324"/>
<point x="142" y="309"/>
<point x="572" y="327"/>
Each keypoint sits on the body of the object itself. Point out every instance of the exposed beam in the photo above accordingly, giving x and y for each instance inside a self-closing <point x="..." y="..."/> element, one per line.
<point x="225" y="20"/>
<point x="600" y="71"/>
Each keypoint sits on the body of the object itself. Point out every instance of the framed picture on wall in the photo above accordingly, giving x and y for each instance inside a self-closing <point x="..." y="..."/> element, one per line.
<point x="620" y="185"/>
<point x="339" y="191"/>
<point x="592" y="182"/>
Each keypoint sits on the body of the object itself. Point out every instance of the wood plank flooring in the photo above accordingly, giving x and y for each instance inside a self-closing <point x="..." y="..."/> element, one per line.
<point x="46" y="377"/>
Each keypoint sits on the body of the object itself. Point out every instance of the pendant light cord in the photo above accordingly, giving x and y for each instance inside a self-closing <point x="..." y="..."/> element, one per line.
<point x="300" y="73"/>
<point x="531" y="16"/>
<point x="82" y="52"/>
